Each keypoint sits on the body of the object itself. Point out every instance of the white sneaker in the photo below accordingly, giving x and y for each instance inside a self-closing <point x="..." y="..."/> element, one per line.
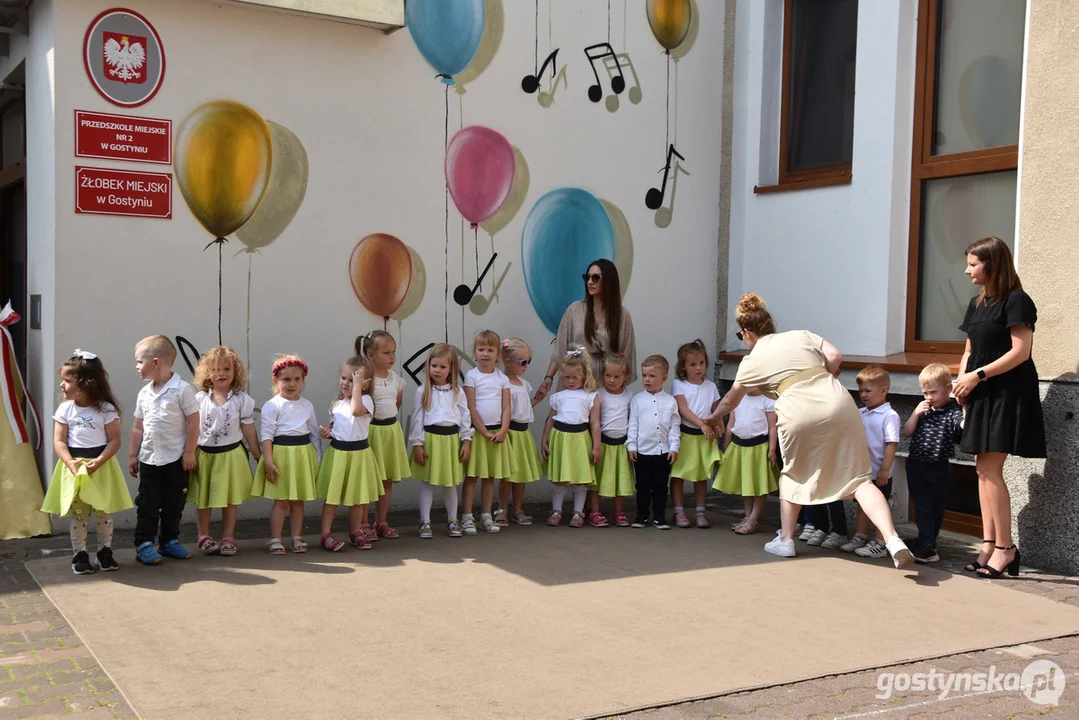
<point x="833" y="541"/>
<point x="797" y="530"/>
<point x="780" y="547"/>
<point x="872" y="549"/>
<point x="901" y="554"/>
<point x="817" y="537"/>
<point x="807" y="532"/>
<point x="859" y="540"/>
<point x="468" y="525"/>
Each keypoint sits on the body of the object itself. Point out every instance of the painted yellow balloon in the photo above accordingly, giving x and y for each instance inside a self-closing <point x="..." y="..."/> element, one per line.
<point x="223" y="157"/>
<point x="669" y="20"/>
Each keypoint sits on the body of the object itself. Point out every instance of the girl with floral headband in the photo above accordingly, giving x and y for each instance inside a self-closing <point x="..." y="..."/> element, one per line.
<point x="288" y="470"/>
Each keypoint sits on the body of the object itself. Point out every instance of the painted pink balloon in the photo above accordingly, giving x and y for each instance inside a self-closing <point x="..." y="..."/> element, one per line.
<point x="479" y="172"/>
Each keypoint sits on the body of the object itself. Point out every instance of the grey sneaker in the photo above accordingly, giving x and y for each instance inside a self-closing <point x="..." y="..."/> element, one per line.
<point x="875" y="549"/>
<point x="817" y="538"/>
<point x="859" y="540"/>
<point x="468" y="525"/>
<point x="425" y="531"/>
<point x="833" y="541"/>
<point x="455" y="528"/>
<point x="807" y="532"/>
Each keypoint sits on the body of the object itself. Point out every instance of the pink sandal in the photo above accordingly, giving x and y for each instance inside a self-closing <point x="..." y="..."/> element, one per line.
<point x="359" y="539"/>
<point x="680" y="519"/>
<point x="702" y="521"/>
<point x="383" y="530"/>
<point x="597" y="519"/>
<point x="228" y="546"/>
<point x="620" y="520"/>
<point x="369" y="533"/>
<point x="577" y="520"/>
<point x="329" y="542"/>
<point x="555" y="518"/>
<point x="746" y="527"/>
<point x="207" y="545"/>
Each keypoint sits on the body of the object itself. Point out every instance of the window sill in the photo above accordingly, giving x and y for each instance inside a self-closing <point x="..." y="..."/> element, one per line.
<point x="900" y="362"/>
<point x="805" y="183"/>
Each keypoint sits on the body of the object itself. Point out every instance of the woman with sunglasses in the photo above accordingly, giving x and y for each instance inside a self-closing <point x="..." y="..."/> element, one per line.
<point x="825" y="457"/>
<point x="598" y="323"/>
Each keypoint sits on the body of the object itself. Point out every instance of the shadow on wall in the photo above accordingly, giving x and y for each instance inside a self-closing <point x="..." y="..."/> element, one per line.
<point x="494" y="22"/>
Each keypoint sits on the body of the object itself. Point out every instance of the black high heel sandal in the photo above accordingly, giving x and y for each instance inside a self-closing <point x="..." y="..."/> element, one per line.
<point x="1012" y="568"/>
<point x="975" y="566"/>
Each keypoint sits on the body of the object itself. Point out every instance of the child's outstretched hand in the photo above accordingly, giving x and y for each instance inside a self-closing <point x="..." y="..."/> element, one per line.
<point x="271" y="473"/>
<point x="324" y="432"/>
<point x="466" y="450"/>
<point x="419" y="454"/>
<point x="708" y="430"/>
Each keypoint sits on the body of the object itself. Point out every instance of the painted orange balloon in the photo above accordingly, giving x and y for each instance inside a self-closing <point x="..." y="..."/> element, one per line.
<point x="669" y="20"/>
<point x="381" y="272"/>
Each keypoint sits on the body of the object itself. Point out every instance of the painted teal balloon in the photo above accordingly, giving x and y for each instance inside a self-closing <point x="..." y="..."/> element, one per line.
<point x="565" y="231"/>
<point x="447" y="32"/>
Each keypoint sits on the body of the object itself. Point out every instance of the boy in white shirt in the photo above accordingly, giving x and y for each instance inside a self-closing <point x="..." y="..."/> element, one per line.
<point x="652" y="441"/>
<point x="162" y="450"/>
<point x="882" y="429"/>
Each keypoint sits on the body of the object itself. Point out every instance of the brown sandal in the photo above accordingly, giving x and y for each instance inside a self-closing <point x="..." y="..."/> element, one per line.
<point x="746" y="527"/>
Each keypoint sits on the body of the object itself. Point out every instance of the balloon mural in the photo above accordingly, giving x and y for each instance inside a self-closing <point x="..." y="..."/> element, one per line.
<point x="479" y="172"/>
<point x="566" y="229"/>
<point x="447" y="34"/>
<point x="380" y="270"/>
<point x="669" y="20"/>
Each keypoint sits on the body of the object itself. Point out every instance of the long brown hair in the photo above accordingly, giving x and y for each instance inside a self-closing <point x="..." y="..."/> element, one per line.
<point x="1000" y="275"/>
<point x="442" y="350"/>
<point x="697" y="346"/>
<point x="91" y="379"/>
<point x="612" y="305"/>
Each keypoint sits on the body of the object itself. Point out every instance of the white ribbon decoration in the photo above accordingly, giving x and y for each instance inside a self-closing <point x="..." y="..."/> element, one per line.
<point x="84" y="354"/>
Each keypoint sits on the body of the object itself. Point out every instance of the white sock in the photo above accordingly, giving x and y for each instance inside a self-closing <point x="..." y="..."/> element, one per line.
<point x="427" y="498"/>
<point x="679" y="508"/>
<point x="558" y="495"/>
<point x="700" y="508"/>
<point x="580" y="494"/>
<point x="449" y="499"/>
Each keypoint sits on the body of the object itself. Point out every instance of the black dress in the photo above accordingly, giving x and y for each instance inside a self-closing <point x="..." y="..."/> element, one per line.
<point x="1004" y="413"/>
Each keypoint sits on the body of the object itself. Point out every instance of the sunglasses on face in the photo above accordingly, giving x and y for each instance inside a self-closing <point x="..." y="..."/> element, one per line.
<point x="594" y="277"/>
<point x="522" y="363"/>
<point x="739" y="336"/>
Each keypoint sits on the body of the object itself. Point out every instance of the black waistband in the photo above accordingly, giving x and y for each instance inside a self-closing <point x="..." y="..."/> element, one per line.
<point x="292" y="440"/>
<point x="494" y="428"/>
<point x="86" y="453"/>
<point x="441" y="429"/>
<point x="218" y="449"/>
<point x="749" y="442"/>
<point x="608" y="440"/>
<point x="518" y="426"/>
<point x="689" y="430"/>
<point x="384" y="421"/>
<point x="567" y="428"/>
<point x="349" y="445"/>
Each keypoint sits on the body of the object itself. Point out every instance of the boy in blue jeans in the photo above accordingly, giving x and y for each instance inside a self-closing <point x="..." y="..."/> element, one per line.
<point x="934" y="428"/>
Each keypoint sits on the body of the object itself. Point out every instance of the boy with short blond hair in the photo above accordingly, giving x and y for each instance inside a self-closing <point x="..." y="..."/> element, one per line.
<point x="162" y="450"/>
<point x="652" y="441"/>
<point x="882" y="434"/>
<point x="934" y="427"/>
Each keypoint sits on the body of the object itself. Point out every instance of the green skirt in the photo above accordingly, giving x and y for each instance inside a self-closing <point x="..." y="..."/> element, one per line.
<point x="105" y="490"/>
<point x="698" y="458"/>
<point x="297" y="466"/>
<point x="489" y="459"/>
<point x="388" y="444"/>
<point x="443" y="468"/>
<point x="350" y="477"/>
<point x="527" y="466"/>
<point x="570" y="458"/>
<point x="220" y="479"/>
<point x="614" y="472"/>
<point x="746" y="471"/>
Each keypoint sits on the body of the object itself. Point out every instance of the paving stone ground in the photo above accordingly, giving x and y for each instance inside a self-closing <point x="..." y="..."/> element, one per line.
<point x="47" y="672"/>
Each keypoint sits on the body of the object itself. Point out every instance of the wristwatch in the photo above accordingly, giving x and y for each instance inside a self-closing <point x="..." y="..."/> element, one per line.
<point x="981" y="375"/>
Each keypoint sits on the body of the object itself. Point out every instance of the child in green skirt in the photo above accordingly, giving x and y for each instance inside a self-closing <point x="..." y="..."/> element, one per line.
<point x="487" y="391"/>
<point x="526" y="464"/>
<point x="614" y="472"/>
<point x="698" y="456"/>
<point x="571" y="437"/>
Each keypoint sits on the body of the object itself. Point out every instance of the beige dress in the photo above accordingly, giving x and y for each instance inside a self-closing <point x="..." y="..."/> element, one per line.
<point x="825" y="455"/>
<point x="571" y="332"/>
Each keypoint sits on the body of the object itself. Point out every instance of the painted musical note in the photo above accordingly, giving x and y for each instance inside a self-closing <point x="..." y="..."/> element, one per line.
<point x="417" y="373"/>
<point x="480" y="304"/>
<point x="618" y="82"/>
<point x="531" y="83"/>
<point x="462" y="294"/>
<point x="546" y="99"/>
<point x="623" y="60"/>
<point x="653" y="199"/>
<point x="665" y="214"/>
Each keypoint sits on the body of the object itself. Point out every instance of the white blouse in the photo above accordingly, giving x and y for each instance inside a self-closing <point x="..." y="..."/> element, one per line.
<point x="572" y="407"/>
<point x="385" y="391"/>
<point x="85" y="425"/>
<point x="348" y="427"/>
<point x="614" y="413"/>
<point x="521" y="403"/>
<point x="750" y="418"/>
<point x="288" y="417"/>
<point x="488" y="387"/>
<point x="444" y="411"/>
<point x="220" y="424"/>
<point x="699" y="398"/>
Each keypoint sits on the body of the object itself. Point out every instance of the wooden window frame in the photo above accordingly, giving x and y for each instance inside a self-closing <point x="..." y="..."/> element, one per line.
<point x="926" y="166"/>
<point x="835" y="175"/>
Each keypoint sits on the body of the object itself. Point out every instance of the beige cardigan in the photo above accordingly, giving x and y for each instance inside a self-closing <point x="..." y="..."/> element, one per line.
<point x="571" y="332"/>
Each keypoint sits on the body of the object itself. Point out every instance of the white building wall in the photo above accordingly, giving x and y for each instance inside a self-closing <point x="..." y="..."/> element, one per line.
<point x="370" y="114"/>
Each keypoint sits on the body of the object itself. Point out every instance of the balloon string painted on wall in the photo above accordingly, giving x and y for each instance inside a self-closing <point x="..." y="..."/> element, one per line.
<point x="446" y="298"/>
<point x="220" y="242"/>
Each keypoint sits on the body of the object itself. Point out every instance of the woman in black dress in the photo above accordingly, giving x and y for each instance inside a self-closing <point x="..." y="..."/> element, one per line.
<point x="999" y="389"/>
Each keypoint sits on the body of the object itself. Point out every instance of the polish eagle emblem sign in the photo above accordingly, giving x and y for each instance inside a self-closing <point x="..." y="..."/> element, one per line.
<point x="124" y="57"/>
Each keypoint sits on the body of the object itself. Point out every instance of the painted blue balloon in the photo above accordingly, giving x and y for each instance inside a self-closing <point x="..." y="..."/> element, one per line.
<point x="566" y="229"/>
<point x="447" y="32"/>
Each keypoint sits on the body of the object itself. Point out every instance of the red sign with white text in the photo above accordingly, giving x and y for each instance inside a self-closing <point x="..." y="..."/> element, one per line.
<point x="123" y="137"/>
<point x="103" y="191"/>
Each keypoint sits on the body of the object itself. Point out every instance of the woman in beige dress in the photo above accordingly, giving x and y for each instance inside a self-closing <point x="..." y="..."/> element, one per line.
<point x="589" y="323"/>
<point x="825" y="454"/>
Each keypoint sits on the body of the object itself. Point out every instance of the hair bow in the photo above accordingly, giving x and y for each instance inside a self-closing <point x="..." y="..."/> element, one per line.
<point x="698" y="341"/>
<point x="576" y="352"/>
<point x="506" y="343"/>
<point x="84" y="354"/>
